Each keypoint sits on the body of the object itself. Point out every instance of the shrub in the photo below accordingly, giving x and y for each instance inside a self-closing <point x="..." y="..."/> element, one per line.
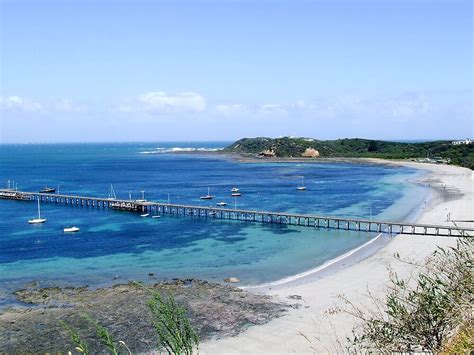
<point x="423" y="312"/>
<point x="175" y="333"/>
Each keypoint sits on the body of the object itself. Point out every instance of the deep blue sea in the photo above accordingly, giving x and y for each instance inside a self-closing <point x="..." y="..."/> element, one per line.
<point x="114" y="247"/>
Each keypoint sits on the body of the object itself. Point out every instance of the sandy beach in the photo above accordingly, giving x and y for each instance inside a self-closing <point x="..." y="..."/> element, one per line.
<point x="313" y="325"/>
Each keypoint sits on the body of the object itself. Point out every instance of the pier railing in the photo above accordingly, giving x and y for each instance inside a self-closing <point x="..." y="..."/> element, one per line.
<point x="308" y="220"/>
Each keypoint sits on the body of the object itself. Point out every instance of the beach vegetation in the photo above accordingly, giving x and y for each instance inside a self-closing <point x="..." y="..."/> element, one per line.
<point x="174" y="331"/>
<point x="432" y="310"/>
<point x="76" y="339"/>
<point x="114" y="348"/>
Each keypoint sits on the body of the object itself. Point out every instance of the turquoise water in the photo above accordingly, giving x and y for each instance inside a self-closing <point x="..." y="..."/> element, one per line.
<point x="114" y="246"/>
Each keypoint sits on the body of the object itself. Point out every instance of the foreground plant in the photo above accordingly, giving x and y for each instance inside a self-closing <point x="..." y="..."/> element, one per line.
<point x="424" y="311"/>
<point x="174" y="331"/>
<point x="103" y="334"/>
<point x="80" y="345"/>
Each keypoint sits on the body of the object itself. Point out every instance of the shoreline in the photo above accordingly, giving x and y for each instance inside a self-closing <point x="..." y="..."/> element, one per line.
<point x="318" y="329"/>
<point x="352" y="256"/>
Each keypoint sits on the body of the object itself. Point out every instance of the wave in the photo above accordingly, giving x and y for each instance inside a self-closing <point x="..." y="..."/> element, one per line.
<point x="161" y="150"/>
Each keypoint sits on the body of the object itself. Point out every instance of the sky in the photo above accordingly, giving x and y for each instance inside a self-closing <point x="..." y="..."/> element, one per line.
<point x="176" y="70"/>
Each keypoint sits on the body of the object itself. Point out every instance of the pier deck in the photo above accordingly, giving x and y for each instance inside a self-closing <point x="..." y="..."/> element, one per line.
<point x="308" y="220"/>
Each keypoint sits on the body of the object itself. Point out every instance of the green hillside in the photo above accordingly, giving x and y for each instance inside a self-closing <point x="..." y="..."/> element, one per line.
<point x="462" y="155"/>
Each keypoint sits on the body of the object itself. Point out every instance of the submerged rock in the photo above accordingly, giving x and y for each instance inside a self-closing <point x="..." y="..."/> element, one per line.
<point x="232" y="280"/>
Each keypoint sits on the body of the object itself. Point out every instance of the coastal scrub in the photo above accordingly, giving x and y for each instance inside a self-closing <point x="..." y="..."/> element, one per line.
<point x="423" y="312"/>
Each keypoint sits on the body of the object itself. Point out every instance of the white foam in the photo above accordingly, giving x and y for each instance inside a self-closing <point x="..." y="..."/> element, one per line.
<point x="161" y="150"/>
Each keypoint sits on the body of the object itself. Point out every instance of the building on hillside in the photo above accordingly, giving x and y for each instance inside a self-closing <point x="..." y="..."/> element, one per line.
<point x="465" y="141"/>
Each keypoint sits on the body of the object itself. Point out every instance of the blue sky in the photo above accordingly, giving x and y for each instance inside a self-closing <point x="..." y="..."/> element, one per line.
<point x="220" y="70"/>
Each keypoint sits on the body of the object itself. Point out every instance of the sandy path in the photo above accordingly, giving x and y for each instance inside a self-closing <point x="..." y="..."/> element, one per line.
<point x="453" y="192"/>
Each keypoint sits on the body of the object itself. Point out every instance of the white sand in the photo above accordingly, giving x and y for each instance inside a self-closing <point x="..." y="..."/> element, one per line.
<point x="314" y="318"/>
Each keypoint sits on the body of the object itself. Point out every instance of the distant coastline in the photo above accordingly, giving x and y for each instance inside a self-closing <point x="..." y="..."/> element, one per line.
<point x="459" y="153"/>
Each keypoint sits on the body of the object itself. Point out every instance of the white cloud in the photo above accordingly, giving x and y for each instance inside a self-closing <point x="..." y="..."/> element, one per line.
<point x="254" y="110"/>
<point x="232" y="109"/>
<point x="398" y="107"/>
<point x="272" y="109"/>
<point x="19" y="103"/>
<point x="22" y="104"/>
<point x="160" y="101"/>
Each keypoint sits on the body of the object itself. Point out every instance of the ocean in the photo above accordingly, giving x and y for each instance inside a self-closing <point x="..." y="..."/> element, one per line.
<point x="115" y="247"/>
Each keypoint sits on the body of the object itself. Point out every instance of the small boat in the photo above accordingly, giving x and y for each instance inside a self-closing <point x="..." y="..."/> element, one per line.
<point x="144" y="215"/>
<point x="221" y="204"/>
<point x="236" y="194"/>
<point x="157" y="216"/>
<point x="208" y="196"/>
<point x="47" y="190"/>
<point x="301" y="187"/>
<point x="71" y="230"/>
<point x="39" y="219"/>
<point x="234" y="189"/>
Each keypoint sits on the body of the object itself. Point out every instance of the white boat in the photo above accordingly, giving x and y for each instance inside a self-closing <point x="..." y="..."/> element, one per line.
<point x="221" y="204"/>
<point x="144" y="215"/>
<point x="155" y="216"/>
<point x="39" y="219"/>
<point x="71" y="230"/>
<point x="301" y="187"/>
<point x="236" y="194"/>
<point x="234" y="189"/>
<point x="208" y="196"/>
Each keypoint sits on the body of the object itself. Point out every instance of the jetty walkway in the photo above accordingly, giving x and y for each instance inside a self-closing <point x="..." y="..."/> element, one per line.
<point x="308" y="220"/>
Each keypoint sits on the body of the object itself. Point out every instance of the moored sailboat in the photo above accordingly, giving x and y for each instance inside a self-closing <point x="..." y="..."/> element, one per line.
<point x="302" y="187"/>
<point x="112" y="195"/>
<point x="39" y="219"/>
<point x="208" y="196"/>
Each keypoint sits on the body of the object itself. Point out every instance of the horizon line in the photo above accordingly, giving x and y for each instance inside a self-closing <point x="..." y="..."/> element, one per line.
<point x="231" y="141"/>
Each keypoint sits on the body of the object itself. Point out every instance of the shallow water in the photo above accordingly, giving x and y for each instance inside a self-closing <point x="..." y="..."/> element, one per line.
<point x="117" y="246"/>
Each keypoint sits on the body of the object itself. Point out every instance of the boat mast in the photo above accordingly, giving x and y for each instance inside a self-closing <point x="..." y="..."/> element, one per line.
<point x="39" y="208"/>
<point x="112" y="192"/>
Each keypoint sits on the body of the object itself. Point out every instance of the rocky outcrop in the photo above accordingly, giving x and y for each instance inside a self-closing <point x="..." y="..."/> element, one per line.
<point x="310" y="153"/>
<point x="268" y="153"/>
<point x="215" y="310"/>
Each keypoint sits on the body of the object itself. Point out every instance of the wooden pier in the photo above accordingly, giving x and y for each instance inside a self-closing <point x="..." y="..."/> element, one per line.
<point x="308" y="220"/>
